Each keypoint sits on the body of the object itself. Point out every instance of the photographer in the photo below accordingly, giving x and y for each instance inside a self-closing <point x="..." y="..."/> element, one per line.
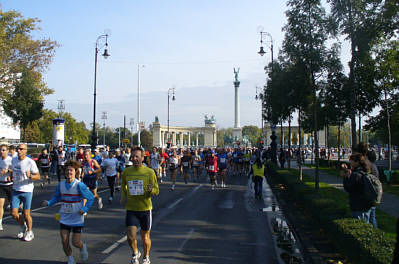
<point x="353" y="184"/>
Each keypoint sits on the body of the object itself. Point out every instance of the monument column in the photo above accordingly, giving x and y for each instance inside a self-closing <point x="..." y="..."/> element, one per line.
<point x="237" y="132"/>
<point x="189" y="139"/>
<point x="196" y="139"/>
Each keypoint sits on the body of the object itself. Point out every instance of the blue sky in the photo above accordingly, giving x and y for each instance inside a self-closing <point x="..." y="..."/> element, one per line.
<point x="187" y="44"/>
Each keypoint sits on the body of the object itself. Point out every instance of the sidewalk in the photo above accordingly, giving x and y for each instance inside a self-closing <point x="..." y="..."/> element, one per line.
<point x="389" y="204"/>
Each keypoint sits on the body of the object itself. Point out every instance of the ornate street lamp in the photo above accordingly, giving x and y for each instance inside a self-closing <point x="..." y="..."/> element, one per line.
<point x="101" y="38"/>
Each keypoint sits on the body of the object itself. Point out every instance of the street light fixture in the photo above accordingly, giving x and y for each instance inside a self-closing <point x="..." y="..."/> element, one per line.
<point x="264" y="34"/>
<point x="105" y="55"/>
<point x="171" y="91"/>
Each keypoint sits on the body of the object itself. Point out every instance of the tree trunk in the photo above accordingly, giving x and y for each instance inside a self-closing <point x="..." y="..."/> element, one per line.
<point x="289" y="141"/>
<point x="282" y="134"/>
<point x="360" y="128"/>
<point x="339" y="142"/>
<point x="300" y="146"/>
<point x="316" y="140"/>
<point x="389" y="133"/>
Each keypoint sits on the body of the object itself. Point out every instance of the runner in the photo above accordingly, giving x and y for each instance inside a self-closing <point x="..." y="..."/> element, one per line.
<point x="164" y="161"/>
<point x="90" y="172"/>
<point x="258" y="173"/>
<point x="71" y="193"/>
<point x="138" y="184"/>
<point x="61" y="162"/>
<point x="186" y="161"/>
<point x="212" y="163"/>
<point x="222" y="157"/>
<point x="155" y="160"/>
<point x="173" y="165"/>
<point x="12" y="151"/>
<point x="44" y="159"/>
<point x="120" y="168"/>
<point x="109" y="165"/>
<point x="5" y="180"/>
<point x="24" y="172"/>
<point x="196" y="164"/>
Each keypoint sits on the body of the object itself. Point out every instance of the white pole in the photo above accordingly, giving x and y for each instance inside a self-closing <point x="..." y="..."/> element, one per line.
<point x="138" y="105"/>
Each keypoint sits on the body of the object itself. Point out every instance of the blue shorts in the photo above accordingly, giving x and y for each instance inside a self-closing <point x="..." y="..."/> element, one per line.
<point x="139" y="218"/>
<point x="18" y="197"/>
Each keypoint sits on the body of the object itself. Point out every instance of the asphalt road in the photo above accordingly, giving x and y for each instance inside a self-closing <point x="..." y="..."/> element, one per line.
<point x="192" y="224"/>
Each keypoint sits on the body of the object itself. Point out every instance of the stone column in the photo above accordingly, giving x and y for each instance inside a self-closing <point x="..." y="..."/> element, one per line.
<point x="181" y="139"/>
<point x="196" y="139"/>
<point x="174" y="138"/>
<point x="189" y="139"/>
<point x="162" y="139"/>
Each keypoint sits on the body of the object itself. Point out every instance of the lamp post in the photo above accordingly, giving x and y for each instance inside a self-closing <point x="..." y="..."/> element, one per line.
<point x="138" y="103"/>
<point x="171" y="91"/>
<point x="104" y="117"/>
<point x="259" y="96"/>
<point x="132" y="127"/>
<point x="105" y="55"/>
<point x="264" y="34"/>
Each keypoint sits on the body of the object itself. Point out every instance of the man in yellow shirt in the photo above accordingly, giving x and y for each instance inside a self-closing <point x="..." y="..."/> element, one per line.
<point x="139" y="183"/>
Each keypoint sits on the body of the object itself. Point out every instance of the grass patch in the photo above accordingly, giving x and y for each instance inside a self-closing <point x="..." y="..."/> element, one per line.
<point x="393" y="189"/>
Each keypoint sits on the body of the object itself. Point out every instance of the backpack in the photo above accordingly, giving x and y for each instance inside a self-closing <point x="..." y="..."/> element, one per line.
<point x="372" y="189"/>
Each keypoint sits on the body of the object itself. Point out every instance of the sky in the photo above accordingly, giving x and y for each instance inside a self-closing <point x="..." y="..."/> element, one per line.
<point x="190" y="45"/>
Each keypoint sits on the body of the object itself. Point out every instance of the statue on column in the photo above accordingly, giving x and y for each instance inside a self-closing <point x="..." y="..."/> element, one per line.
<point x="236" y="74"/>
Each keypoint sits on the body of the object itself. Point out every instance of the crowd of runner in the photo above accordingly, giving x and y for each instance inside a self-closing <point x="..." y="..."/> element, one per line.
<point x="137" y="173"/>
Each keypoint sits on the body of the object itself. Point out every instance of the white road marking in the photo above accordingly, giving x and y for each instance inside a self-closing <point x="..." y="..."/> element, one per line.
<point x="186" y="240"/>
<point x="175" y="203"/>
<point x="114" y="245"/>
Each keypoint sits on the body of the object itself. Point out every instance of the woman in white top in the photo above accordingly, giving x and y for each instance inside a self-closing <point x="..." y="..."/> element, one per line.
<point x="174" y="162"/>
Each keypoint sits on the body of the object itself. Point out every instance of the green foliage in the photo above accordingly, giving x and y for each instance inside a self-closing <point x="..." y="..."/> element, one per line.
<point x="41" y="130"/>
<point x="18" y="51"/>
<point x="253" y="133"/>
<point x="25" y="103"/>
<point x="330" y="209"/>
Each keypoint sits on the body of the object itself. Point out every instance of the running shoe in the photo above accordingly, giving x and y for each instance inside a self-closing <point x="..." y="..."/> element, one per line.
<point x="135" y="258"/>
<point x="29" y="236"/>
<point x="83" y="252"/>
<point x="146" y="260"/>
<point x="173" y="187"/>
<point x="71" y="260"/>
<point x="22" y="231"/>
<point x="110" y="199"/>
<point x="100" y="203"/>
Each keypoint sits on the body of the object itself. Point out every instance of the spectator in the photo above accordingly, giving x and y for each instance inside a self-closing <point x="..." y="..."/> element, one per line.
<point x="353" y="184"/>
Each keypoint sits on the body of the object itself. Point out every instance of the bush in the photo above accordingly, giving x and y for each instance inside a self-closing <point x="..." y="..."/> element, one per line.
<point x="329" y="207"/>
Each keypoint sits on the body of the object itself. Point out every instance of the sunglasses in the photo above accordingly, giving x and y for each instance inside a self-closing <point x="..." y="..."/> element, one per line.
<point x="21" y="148"/>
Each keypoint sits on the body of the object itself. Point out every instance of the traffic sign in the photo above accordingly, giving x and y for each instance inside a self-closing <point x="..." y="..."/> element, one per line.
<point x="126" y="140"/>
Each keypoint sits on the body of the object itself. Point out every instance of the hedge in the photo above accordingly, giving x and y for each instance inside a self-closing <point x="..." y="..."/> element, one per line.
<point x="359" y="241"/>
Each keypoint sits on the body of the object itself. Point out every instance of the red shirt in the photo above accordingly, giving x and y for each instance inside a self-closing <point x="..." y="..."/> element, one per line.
<point x="213" y="164"/>
<point x="164" y="156"/>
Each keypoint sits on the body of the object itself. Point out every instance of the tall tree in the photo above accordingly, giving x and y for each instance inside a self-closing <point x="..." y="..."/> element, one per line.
<point x="25" y="103"/>
<point x="305" y="39"/>
<point x="363" y="22"/>
<point x="18" y="50"/>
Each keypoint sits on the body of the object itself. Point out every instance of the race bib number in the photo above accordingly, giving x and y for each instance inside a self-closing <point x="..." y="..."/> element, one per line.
<point x="136" y="187"/>
<point x="18" y="176"/>
<point x="185" y="164"/>
<point x="211" y="167"/>
<point x="66" y="208"/>
<point x="44" y="161"/>
<point x="222" y="160"/>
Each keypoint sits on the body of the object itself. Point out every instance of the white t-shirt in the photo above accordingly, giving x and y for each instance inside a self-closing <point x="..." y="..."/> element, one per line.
<point x="4" y="165"/>
<point x="155" y="160"/>
<point x="110" y="166"/>
<point x="61" y="157"/>
<point x="19" y="168"/>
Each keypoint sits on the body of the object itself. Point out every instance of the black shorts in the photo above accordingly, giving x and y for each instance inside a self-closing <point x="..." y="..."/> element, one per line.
<point x="186" y="169"/>
<point x="211" y="173"/>
<point x="6" y="191"/>
<point x="139" y="218"/>
<point x="74" y="229"/>
<point x="91" y="183"/>
<point x="45" y="169"/>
